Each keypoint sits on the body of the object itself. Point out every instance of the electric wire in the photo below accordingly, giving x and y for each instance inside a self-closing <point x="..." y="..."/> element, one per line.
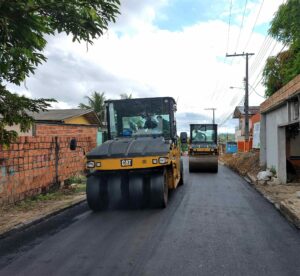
<point x="241" y="27"/>
<point x="255" y="22"/>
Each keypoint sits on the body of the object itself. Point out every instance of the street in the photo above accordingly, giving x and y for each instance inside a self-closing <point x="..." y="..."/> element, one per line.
<point x="216" y="224"/>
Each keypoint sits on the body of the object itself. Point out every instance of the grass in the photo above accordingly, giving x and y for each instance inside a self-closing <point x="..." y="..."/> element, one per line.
<point x="73" y="186"/>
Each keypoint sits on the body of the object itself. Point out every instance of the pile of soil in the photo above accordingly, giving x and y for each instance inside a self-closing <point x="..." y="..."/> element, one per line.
<point x="243" y="163"/>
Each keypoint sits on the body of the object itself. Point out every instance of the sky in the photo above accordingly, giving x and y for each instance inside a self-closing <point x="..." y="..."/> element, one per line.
<point x="171" y="48"/>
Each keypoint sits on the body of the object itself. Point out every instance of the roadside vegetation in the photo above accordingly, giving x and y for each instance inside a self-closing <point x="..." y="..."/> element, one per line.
<point x="73" y="187"/>
<point x="24" y="26"/>
<point x="285" y="28"/>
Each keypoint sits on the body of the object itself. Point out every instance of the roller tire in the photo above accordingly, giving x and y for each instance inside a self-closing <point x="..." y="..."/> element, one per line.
<point x="181" y="181"/>
<point x="96" y="193"/>
<point x="159" y="191"/>
<point x="136" y="191"/>
<point x="114" y="191"/>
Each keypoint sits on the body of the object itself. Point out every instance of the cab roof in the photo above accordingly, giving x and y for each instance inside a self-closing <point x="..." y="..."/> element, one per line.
<point x="143" y="99"/>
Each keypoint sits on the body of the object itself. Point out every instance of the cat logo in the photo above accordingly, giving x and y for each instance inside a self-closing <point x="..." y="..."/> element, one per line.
<point x="126" y="163"/>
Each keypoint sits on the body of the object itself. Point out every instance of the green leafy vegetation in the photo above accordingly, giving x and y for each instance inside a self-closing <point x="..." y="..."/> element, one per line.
<point x="226" y="137"/>
<point x="23" y="28"/>
<point x="125" y="96"/>
<point x="96" y="103"/>
<point x="285" y="28"/>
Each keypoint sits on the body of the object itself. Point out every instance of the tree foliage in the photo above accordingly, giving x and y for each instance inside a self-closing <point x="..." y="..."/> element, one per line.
<point x="96" y="102"/>
<point x="13" y="110"/>
<point x="285" y="28"/>
<point x="23" y="27"/>
<point x="125" y="96"/>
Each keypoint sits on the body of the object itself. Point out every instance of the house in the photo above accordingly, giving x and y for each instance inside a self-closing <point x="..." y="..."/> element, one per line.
<point x="63" y="122"/>
<point x="239" y="113"/>
<point x="279" y="132"/>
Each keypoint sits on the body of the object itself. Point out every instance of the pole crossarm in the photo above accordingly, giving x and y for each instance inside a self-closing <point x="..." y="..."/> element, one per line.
<point x="240" y="55"/>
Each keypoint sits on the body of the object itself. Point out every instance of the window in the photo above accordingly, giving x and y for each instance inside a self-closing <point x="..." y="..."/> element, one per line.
<point x="140" y="117"/>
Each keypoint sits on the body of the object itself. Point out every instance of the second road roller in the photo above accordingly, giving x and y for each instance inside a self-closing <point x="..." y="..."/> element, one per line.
<point x="140" y="161"/>
<point x="203" y="148"/>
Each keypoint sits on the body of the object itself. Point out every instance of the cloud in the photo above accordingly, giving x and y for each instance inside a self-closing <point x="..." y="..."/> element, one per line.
<point x="136" y="56"/>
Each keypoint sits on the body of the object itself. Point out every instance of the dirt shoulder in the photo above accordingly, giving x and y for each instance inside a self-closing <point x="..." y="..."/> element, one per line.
<point x="286" y="198"/>
<point x="33" y="210"/>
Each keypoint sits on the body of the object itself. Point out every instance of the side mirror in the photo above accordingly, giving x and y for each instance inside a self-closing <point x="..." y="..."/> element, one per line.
<point x="183" y="137"/>
<point x="73" y="144"/>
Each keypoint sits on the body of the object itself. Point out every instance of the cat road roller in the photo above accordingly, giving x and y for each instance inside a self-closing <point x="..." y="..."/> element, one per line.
<point x="141" y="159"/>
<point x="203" y="148"/>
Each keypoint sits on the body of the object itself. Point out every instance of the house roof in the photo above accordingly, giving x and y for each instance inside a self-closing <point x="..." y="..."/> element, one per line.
<point x="60" y="115"/>
<point x="240" y="111"/>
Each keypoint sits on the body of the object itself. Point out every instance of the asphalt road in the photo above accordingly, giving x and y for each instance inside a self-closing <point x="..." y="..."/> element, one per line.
<point x="216" y="224"/>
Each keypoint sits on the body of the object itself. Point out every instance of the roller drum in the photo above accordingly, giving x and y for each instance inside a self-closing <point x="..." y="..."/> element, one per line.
<point x="203" y="163"/>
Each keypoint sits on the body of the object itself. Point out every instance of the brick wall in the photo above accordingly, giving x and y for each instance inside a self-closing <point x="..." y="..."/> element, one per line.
<point x="290" y="89"/>
<point x="34" y="164"/>
<point x="65" y="130"/>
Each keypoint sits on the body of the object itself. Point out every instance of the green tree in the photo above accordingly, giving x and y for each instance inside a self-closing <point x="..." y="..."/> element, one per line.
<point x="125" y="96"/>
<point x="96" y="102"/>
<point x="285" y="28"/>
<point x="23" y="27"/>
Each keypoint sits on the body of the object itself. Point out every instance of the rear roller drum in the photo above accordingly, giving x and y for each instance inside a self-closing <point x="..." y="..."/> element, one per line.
<point x="159" y="191"/>
<point x="136" y="191"/>
<point x="96" y="193"/>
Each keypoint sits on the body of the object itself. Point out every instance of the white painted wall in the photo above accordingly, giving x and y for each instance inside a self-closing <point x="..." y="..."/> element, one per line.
<point x="273" y="120"/>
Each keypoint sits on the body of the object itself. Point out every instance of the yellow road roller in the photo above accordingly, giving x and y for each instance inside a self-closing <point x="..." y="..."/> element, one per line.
<point x="140" y="161"/>
<point x="203" y="148"/>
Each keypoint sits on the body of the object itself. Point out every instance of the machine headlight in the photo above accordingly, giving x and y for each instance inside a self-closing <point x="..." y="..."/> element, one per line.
<point x="90" y="164"/>
<point x="98" y="164"/>
<point x="154" y="161"/>
<point x="163" y="160"/>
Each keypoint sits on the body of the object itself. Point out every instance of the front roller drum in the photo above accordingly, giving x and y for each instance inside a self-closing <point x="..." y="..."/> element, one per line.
<point x="97" y="193"/>
<point x="159" y="190"/>
<point x="204" y="163"/>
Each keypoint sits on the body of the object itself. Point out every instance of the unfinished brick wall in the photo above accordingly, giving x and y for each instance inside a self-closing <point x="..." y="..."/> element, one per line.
<point x="43" y="129"/>
<point x="33" y="164"/>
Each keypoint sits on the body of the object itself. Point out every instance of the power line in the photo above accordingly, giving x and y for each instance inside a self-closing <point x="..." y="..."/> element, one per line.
<point x="242" y="23"/>
<point x="259" y="74"/>
<point x="229" y="25"/>
<point x="228" y="38"/>
<point x="261" y="53"/>
<point x="256" y="19"/>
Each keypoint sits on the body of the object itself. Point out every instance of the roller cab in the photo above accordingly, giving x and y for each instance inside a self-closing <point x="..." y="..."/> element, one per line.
<point x="140" y="161"/>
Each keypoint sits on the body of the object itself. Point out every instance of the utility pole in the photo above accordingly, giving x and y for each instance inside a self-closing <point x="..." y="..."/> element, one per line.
<point x="246" y="103"/>
<point x="213" y="109"/>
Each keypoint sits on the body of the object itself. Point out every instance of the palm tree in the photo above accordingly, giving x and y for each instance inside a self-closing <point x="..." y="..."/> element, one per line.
<point x="96" y="102"/>
<point x="125" y="96"/>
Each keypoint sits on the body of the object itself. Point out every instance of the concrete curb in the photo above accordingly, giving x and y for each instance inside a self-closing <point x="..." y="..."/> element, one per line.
<point x="290" y="214"/>
<point x="30" y="223"/>
<point x="280" y="207"/>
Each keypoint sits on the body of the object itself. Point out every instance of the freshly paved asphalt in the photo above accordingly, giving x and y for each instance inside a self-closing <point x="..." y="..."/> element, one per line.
<point x="216" y="224"/>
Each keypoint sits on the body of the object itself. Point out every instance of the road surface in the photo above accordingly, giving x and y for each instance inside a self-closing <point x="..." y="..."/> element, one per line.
<point x="216" y="224"/>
